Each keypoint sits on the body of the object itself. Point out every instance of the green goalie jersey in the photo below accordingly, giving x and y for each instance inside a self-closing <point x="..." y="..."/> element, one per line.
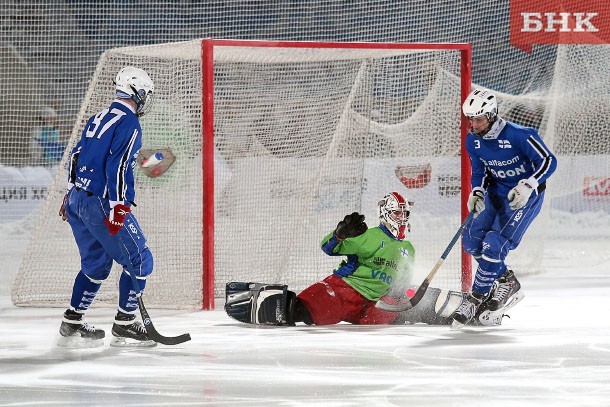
<point x="375" y="262"/>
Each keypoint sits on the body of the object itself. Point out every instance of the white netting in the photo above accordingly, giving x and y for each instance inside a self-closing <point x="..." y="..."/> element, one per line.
<point x="49" y="51"/>
<point x="301" y="139"/>
<point x="168" y="205"/>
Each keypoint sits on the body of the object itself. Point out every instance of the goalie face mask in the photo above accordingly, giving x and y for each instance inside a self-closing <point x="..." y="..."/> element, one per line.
<point x="394" y="211"/>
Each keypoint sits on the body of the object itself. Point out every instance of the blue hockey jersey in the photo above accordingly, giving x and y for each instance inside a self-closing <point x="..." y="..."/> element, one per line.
<point x="103" y="160"/>
<point x="507" y="154"/>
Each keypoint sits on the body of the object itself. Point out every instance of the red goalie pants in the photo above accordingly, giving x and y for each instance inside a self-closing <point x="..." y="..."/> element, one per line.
<point x="332" y="300"/>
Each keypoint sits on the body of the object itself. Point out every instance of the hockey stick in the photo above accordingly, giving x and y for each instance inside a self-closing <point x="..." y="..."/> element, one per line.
<point x="408" y="304"/>
<point x="152" y="333"/>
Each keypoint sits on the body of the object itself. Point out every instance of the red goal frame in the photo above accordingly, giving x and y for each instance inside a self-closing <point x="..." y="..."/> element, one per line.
<point x="207" y="100"/>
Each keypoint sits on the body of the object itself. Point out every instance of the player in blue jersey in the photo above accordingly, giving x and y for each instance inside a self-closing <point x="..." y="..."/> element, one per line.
<point x="98" y="208"/>
<point x="510" y="167"/>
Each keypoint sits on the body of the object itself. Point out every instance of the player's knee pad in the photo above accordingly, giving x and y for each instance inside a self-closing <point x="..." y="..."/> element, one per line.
<point x="495" y="246"/>
<point x="142" y="264"/>
<point x="260" y="304"/>
<point x="471" y="245"/>
<point x="98" y="274"/>
<point x="147" y="263"/>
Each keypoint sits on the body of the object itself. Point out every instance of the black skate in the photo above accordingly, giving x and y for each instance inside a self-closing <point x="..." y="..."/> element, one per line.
<point x="77" y="333"/>
<point x="506" y="293"/>
<point x="467" y="310"/>
<point x="485" y="317"/>
<point x="127" y="332"/>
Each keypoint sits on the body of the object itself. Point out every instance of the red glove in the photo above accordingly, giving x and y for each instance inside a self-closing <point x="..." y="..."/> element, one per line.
<point x="116" y="218"/>
<point x="62" y="210"/>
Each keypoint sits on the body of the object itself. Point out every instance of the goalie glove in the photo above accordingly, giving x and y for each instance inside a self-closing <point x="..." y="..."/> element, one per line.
<point x="519" y="195"/>
<point x="351" y="226"/>
<point x="476" y="201"/>
<point x="116" y="218"/>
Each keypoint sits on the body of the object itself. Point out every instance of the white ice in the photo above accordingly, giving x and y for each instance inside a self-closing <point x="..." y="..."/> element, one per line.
<point x="553" y="351"/>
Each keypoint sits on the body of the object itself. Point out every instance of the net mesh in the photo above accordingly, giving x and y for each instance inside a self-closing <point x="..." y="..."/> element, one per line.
<point x="50" y="49"/>
<point x="302" y="137"/>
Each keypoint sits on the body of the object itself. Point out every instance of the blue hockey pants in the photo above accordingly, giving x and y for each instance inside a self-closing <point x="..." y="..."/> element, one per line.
<point x="494" y="233"/>
<point x="98" y="249"/>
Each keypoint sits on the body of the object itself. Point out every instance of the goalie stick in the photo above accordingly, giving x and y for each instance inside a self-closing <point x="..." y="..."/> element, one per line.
<point x="410" y="303"/>
<point x="153" y="334"/>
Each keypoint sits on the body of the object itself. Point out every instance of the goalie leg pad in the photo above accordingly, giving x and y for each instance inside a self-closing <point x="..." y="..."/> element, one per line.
<point x="435" y="308"/>
<point x="260" y="304"/>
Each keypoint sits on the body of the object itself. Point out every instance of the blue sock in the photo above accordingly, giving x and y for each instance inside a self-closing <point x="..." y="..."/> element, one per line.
<point x="486" y="274"/>
<point x="83" y="292"/>
<point x="128" y="301"/>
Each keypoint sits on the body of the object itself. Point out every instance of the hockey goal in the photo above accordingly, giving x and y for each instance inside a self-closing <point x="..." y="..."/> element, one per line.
<point x="275" y="142"/>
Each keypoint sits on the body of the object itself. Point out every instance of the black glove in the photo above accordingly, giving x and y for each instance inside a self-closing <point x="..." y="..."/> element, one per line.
<point x="351" y="226"/>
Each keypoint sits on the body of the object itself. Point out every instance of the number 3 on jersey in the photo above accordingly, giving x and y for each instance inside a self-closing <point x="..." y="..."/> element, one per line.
<point x="94" y="129"/>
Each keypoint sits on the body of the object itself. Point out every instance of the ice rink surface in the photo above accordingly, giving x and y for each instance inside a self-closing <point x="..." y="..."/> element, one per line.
<point x="554" y="350"/>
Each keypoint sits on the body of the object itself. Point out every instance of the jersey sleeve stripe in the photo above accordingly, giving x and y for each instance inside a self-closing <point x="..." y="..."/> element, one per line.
<point x="547" y="159"/>
<point x="72" y="166"/>
<point x="538" y="147"/>
<point x="121" y="184"/>
<point x="543" y="169"/>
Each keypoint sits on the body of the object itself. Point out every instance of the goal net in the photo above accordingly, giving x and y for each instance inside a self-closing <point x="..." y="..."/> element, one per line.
<point x="274" y="144"/>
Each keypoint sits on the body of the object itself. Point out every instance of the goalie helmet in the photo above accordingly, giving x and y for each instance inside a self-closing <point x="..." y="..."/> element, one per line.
<point x="481" y="102"/>
<point x="135" y="84"/>
<point x="393" y="211"/>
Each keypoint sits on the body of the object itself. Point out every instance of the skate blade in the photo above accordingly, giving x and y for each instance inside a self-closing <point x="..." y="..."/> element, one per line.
<point x="455" y="325"/>
<point x="78" y="342"/>
<point x="512" y="301"/>
<point x="121" y="342"/>
<point x="494" y="318"/>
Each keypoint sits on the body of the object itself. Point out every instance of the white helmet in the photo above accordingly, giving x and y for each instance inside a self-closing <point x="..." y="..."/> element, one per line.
<point x="393" y="211"/>
<point x="135" y="84"/>
<point x="48" y="113"/>
<point x="481" y="102"/>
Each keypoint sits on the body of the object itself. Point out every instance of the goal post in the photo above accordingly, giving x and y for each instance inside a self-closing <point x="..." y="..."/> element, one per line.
<point x="275" y="141"/>
<point x="207" y="55"/>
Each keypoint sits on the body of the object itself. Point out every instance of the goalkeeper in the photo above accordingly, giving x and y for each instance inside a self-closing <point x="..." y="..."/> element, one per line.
<point x="379" y="261"/>
<point x="376" y="258"/>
